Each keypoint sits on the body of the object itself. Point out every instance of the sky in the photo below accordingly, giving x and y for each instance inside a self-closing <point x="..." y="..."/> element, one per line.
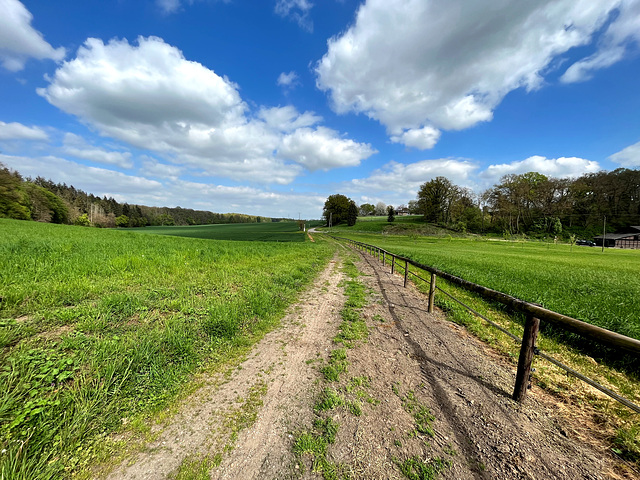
<point x="267" y="107"/>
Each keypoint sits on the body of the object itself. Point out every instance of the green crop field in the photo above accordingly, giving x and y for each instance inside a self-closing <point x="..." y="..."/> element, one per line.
<point x="582" y="282"/>
<point x="403" y="225"/>
<point x="264" y="232"/>
<point x="99" y="328"/>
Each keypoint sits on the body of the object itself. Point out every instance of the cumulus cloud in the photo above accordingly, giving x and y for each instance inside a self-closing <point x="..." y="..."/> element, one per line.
<point x="421" y="138"/>
<point x="18" y="131"/>
<point x="407" y="178"/>
<point x="75" y="146"/>
<point x="287" y="119"/>
<point x="619" y="36"/>
<point x="628" y="157"/>
<point x="297" y="10"/>
<point x="454" y="62"/>
<point x="153" y="168"/>
<point x="322" y="149"/>
<point x="19" y="41"/>
<point x="562" y="167"/>
<point x="288" y="80"/>
<point x="149" y="96"/>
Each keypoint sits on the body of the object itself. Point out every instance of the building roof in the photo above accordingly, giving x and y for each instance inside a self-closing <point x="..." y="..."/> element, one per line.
<point x="615" y="236"/>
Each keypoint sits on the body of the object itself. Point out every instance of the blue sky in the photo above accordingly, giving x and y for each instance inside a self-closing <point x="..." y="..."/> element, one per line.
<point x="267" y="107"/>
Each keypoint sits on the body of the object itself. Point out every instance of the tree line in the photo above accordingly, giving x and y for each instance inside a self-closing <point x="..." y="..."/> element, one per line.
<point x="529" y="203"/>
<point x="46" y="201"/>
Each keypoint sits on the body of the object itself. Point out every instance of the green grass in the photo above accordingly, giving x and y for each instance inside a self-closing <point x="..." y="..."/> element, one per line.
<point x="414" y="468"/>
<point x="99" y="328"/>
<point x="263" y="232"/>
<point x="405" y="225"/>
<point x="337" y="364"/>
<point x="584" y="283"/>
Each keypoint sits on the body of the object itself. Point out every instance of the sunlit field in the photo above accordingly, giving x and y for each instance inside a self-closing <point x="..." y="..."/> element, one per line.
<point x="582" y="282"/>
<point x="263" y="232"/>
<point x="100" y="327"/>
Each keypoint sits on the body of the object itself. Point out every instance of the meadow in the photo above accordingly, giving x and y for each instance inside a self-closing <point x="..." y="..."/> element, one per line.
<point x="262" y="232"/>
<point x="99" y="329"/>
<point x="582" y="282"/>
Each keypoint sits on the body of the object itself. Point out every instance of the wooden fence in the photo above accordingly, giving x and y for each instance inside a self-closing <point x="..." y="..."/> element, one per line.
<point x="534" y="315"/>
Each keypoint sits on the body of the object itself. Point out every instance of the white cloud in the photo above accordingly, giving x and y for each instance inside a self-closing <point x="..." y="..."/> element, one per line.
<point x="249" y="200"/>
<point x="99" y="181"/>
<point x="297" y="10"/>
<point x="405" y="179"/>
<point x="149" y="96"/>
<point x="154" y="168"/>
<point x="322" y="149"/>
<point x="422" y="138"/>
<point x="562" y="167"/>
<point x="454" y="61"/>
<point x="628" y="157"/>
<point x="75" y="146"/>
<point x="19" y="41"/>
<point x="288" y="80"/>
<point x="287" y="119"/>
<point x="620" y="34"/>
<point x="171" y="191"/>
<point x="17" y="131"/>
<point x="168" y="6"/>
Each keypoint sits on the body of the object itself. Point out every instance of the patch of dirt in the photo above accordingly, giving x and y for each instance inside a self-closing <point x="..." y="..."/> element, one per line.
<point x="56" y="333"/>
<point x="205" y="423"/>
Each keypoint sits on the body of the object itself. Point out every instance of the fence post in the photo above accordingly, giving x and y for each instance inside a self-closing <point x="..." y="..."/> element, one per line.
<point x="432" y="292"/>
<point x="527" y="350"/>
<point x="406" y="272"/>
<point x="393" y="264"/>
<point x="384" y="258"/>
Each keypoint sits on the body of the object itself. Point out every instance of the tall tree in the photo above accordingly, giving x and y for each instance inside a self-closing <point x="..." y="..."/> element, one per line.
<point x="391" y="214"/>
<point x="367" y="209"/>
<point x="381" y="208"/>
<point x="336" y="209"/>
<point x="435" y="198"/>
<point x="352" y="213"/>
<point x="12" y="198"/>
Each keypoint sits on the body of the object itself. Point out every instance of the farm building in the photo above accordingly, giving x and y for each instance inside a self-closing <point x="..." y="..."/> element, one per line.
<point x="628" y="239"/>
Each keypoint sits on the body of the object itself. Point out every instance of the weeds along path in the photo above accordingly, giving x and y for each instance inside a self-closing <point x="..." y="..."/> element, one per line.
<point x="481" y="432"/>
<point x="238" y="426"/>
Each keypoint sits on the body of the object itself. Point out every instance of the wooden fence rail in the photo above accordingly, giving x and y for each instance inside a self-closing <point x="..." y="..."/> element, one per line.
<point x="534" y="314"/>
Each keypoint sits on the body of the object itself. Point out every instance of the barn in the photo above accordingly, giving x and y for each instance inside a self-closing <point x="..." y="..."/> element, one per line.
<point x="628" y="239"/>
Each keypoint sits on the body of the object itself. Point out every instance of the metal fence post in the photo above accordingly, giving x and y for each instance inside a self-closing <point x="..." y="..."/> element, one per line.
<point x="393" y="264"/>
<point x="406" y="272"/>
<point x="527" y="350"/>
<point x="432" y="292"/>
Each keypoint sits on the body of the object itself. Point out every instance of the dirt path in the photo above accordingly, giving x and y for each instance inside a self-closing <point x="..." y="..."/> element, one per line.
<point x="250" y="418"/>
<point x="466" y="387"/>
<point x="271" y="387"/>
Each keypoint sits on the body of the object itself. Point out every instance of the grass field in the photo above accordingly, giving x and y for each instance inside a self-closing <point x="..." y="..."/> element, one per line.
<point x="263" y="232"/>
<point x="99" y="328"/>
<point x="404" y="225"/>
<point x="599" y="288"/>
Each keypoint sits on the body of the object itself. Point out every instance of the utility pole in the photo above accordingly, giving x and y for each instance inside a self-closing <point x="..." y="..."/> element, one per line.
<point x="604" y="231"/>
<point x="330" y="219"/>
